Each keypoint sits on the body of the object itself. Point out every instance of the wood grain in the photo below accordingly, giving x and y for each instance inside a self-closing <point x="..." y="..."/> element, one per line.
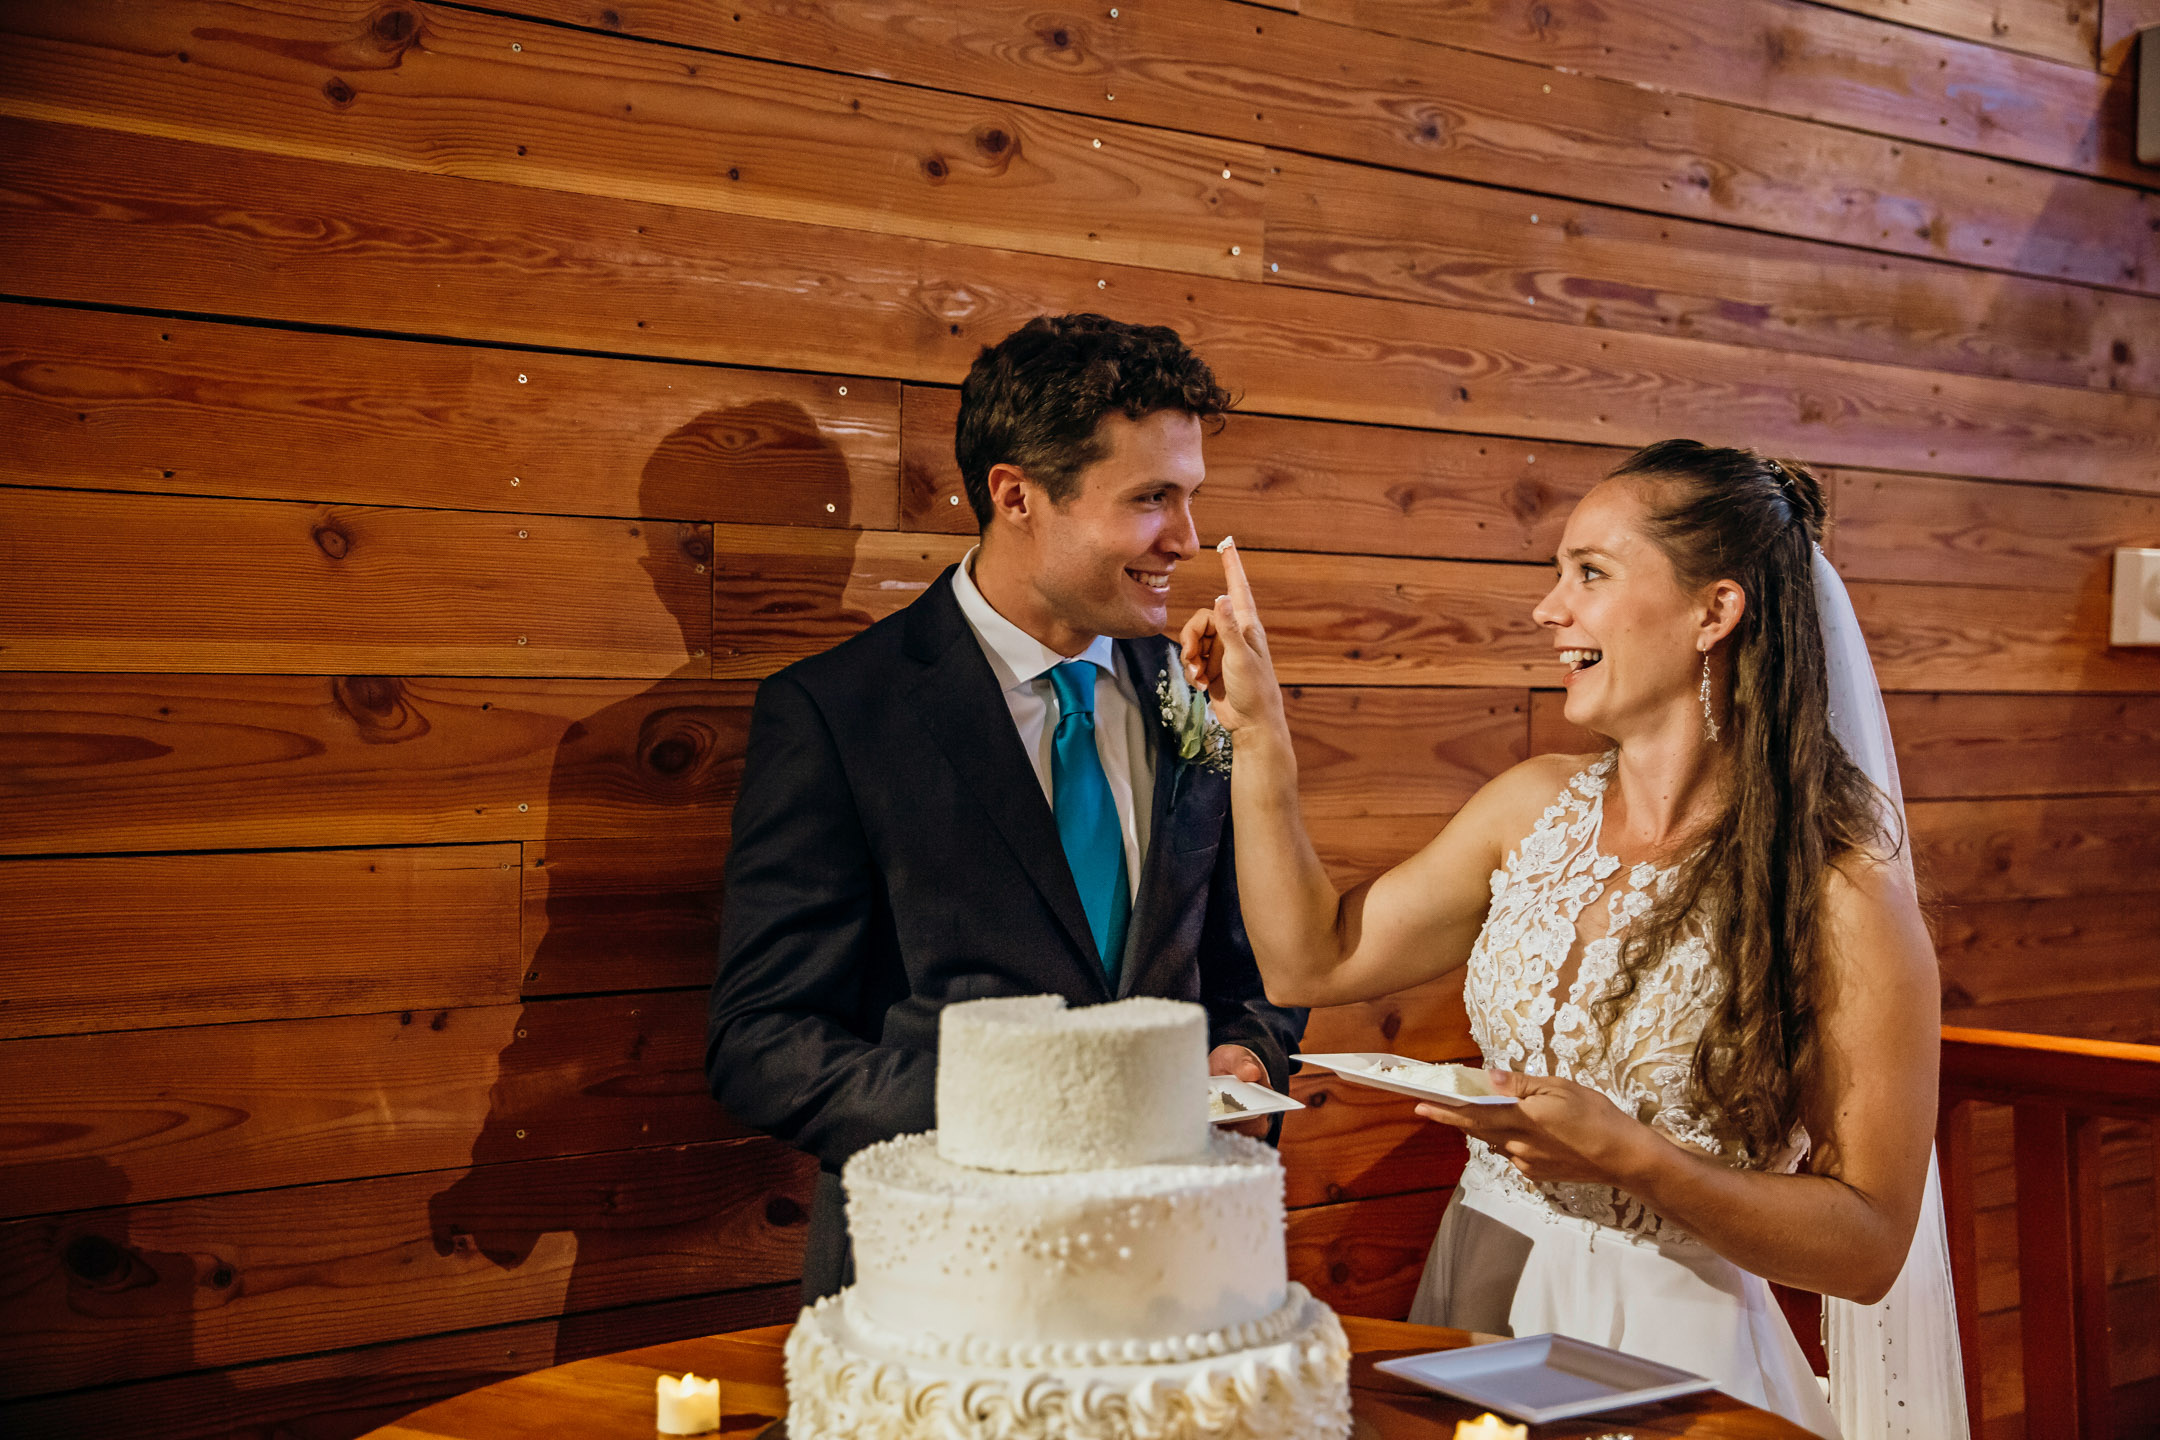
<point x="1953" y="746"/>
<point x="1364" y="1257"/>
<point x="164" y="1114"/>
<point x="1300" y="83"/>
<point x="543" y="106"/>
<point x="138" y="1291"/>
<point x="1353" y="1142"/>
<point x="101" y="401"/>
<point x="1961" y="532"/>
<point x="2049" y="28"/>
<point x="121" y="943"/>
<point x="1425" y="1023"/>
<point x="1998" y="953"/>
<point x="622" y="913"/>
<point x="261" y="586"/>
<point x="1287" y="484"/>
<point x="117" y="762"/>
<point x="2037" y="849"/>
<point x="1400" y="235"/>
<point x="347" y="1392"/>
<point x="779" y="595"/>
<point x="1799" y="60"/>
<point x="1365" y="752"/>
<point x="2120" y="23"/>
<point x="1963" y="637"/>
<point x="748" y="290"/>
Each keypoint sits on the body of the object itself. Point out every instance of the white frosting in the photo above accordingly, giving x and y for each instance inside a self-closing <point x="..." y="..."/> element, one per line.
<point x="1134" y="1255"/>
<point x="843" y="1385"/>
<point x="1028" y="1086"/>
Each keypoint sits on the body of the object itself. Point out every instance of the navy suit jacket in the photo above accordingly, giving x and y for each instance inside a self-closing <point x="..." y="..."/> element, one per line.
<point x="892" y="852"/>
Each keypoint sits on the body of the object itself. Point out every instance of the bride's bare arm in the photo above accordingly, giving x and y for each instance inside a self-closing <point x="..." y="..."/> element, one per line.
<point x="1316" y="946"/>
<point x="1844" y="1227"/>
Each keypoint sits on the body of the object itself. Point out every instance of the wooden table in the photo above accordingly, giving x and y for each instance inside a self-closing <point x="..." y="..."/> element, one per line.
<point x="611" y="1397"/>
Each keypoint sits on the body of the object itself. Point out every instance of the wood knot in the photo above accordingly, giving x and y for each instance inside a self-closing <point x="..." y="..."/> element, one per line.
<point x="222" y="1277"/>
<point x="395" y="29"/>
<point x="2120" y="350"/>
<point x="1392" y="1025"/>
<point x="934" y="168"/>
<point x="782" y="1211"/>
<point x="695" y="544"/>
<point x="1339" y="1272"/>
<point x="1430" y="130"/>
<point x="1319" y="1098"/>
<point x="1060" y="38"/>
<point x="993" y="141"/>
<point x="340" y="94"/>
<point x="93" y="1258"/>
<point x="611" y="19"/>
<point x="672" y="756"/>
<point x="332" y="541"/>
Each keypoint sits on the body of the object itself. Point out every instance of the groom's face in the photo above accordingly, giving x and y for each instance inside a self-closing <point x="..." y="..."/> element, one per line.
<point x="1102" y="557"/>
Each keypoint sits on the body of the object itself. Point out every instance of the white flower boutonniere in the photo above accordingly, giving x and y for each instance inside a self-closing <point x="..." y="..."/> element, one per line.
<point x="1201" y="738"/>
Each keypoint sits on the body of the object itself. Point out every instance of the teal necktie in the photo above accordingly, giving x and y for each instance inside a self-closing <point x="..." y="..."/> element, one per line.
<point x="1087" y="818"/>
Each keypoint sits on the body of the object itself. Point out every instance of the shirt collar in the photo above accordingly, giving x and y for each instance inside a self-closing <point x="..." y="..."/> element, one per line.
<point x="1018" y="657"/>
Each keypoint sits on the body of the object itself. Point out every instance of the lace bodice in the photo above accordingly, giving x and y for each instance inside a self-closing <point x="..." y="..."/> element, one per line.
<point x="1522" y="1023"/>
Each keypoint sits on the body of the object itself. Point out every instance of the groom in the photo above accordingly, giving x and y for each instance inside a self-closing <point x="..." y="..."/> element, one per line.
<point x="979" y="795"/>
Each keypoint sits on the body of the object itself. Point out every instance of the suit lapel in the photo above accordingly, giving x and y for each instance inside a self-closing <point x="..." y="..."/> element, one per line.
<point x="1143" y="660"/>
<point x="958" y="700"/>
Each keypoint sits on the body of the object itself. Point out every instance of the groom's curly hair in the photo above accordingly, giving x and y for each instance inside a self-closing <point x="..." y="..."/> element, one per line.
<point x="1037" y="398"/>
<point x="1795" y="807"/>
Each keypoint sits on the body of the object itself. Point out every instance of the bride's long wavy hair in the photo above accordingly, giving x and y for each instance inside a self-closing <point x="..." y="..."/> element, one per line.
<point x="1794" y="803"/>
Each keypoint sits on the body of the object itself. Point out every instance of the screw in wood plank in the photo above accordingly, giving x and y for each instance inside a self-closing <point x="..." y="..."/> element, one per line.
<point x="1102" y="284"/>
<point x="1108" y="96"/>
<point x="1113" y="14"/>
<point x="521" y="1134"/>
<point x="1226" y="174"/>
<point x="1273" y="267"/>
<point x="521" y="379"/>
<point x="1533" y="219"/>
<point x="513" y="480"/>
<point x="521" y="807"/>
<point x="521" y="639"/>
<point x="1529" y="299"/>
<point x="1235" y="250"/>
<point x="831" y="509"/>
<point x="521" y="534"/>
<point x="700" y="569"/>
<point x="1098" y="144"/>
<point x="1548" y="89"/>
<point x="521" y="1034"/>
<point x="516" y="49"/>
<point x="843" y="389"/>
<point x="955" y="499"/>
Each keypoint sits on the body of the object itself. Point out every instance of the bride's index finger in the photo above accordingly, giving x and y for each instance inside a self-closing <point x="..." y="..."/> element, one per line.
<point x="1241" y="596"/>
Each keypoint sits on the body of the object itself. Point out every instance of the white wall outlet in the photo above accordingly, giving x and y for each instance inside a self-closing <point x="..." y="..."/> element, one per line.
<point x="2136" y="619"/>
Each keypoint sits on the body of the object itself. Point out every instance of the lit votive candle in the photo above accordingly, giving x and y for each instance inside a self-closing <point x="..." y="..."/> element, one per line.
<point x="688" y="1406"/>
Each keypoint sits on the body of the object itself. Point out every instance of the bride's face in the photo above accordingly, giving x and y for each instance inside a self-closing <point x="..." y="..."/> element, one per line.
<point x="1623" y="631"/>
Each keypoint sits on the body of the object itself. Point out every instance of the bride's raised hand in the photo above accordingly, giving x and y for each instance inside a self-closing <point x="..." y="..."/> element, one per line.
<point x="1559" y="1131"/>
<point x="1225" y="652"/>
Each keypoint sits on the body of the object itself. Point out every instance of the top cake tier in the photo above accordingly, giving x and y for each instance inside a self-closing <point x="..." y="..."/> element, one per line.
<point x="1027" y="1086"/>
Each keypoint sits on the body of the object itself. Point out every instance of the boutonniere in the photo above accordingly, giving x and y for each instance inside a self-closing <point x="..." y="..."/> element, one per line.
<point x="1201" y="738"/>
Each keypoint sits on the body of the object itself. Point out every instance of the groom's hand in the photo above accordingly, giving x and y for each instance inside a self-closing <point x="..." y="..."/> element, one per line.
<point x="1225" y="652"/>
<point x="1238" y="1061"/>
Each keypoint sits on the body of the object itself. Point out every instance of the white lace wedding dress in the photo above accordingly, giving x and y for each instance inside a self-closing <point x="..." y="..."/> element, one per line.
<point x="1588" y="1261"/>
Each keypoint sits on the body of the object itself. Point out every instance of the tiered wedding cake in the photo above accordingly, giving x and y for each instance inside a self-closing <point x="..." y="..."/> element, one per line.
<point x="1071" y="1253"/>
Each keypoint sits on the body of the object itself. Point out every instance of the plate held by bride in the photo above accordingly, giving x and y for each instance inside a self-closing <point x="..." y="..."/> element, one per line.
<point x="1419" y="1079"/>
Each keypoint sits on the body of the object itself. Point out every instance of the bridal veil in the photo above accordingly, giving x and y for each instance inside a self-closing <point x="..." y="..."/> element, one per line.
<point x="1895" y="1368"/>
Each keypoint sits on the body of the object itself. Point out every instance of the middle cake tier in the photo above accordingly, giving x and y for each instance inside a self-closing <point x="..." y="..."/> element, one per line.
<point x="1168" y="1252"/>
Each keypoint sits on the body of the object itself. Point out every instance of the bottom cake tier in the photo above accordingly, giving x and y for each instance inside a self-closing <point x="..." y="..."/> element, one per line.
<point x="846" y="1385"/>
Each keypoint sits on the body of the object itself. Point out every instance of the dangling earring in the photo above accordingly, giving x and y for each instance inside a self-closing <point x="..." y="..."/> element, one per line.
<point x="1709" y="720"/>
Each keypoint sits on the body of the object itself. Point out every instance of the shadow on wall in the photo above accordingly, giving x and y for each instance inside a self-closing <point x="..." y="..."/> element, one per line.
<point x="580" y="1162"/>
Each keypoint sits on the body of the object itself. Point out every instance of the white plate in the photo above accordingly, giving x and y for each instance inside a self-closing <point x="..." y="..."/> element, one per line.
<point x="1258" y="1100"/>
<point x="1542" y="1378"/>
<point x="1358" y="1067"/>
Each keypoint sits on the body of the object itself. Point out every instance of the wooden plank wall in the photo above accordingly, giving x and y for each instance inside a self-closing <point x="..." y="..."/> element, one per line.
<point x="425" y="423"/>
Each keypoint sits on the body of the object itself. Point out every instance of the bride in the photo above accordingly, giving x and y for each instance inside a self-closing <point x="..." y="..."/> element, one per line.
<point x="1697" y="958"/>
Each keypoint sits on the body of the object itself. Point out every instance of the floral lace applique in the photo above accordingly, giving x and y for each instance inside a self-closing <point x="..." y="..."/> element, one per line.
<point x="1556" y="874"/>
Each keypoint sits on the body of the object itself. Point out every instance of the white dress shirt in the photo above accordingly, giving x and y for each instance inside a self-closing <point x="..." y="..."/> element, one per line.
<point x="1022" y="665"/>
